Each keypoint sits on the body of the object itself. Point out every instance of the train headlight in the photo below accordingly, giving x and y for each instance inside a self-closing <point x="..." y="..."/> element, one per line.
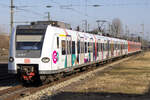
<point x="45" y="59"/>
<point x="11" y="59"/>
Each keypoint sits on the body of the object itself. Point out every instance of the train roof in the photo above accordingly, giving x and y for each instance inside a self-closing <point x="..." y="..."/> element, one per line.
<point x="44" y="24"/>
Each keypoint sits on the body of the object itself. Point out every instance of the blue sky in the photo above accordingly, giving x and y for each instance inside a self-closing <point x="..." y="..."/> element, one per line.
<point x="130" y="12"/>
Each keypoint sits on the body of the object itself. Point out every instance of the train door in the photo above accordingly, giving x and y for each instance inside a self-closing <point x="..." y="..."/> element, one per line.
<point x="86" y="56"/>
<point x="108" y="47"/>
<point x="121" y="48"/>
<point x="65" y="55"/>
<point x="98" y="50"/>
<point x="91" y="49"/>
<point x="112" y="49"/>
<point x="69" y="50"/>
<point x="81" y="60"/>
<point x="78" y="51"/>
<point x="57" y="55"/>
<point x="63" y="51"/>
<point x="102" y="50"/>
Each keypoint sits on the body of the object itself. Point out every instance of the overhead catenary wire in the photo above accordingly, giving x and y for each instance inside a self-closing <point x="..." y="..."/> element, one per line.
<point x="72" y="7"/>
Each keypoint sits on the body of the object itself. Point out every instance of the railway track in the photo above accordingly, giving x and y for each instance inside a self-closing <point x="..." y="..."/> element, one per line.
<point x="20" y="91"/>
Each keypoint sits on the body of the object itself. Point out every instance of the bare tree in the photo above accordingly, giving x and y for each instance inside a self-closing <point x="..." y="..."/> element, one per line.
<point x="116" y="27"/>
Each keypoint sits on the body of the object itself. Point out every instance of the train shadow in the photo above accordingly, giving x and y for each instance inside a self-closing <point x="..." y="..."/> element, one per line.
<point x="97" y="96"/>
<point x="6" y="79"/>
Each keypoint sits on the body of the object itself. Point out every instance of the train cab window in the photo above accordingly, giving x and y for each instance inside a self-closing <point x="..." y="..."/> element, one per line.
<point x="57" y="42"/>
<point x="63" y="44"/>
<point x="73" y="47"/>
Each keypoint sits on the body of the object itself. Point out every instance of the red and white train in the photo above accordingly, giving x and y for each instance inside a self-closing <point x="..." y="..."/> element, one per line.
<point x="42" y="50"/>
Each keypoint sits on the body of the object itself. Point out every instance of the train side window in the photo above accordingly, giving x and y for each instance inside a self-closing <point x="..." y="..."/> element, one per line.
<point x="112" y="46"/>
<point x="101" y="46"/>
<point x="82" y="47"/>
<point x="57" y="42"/>
<point x="93" y="47"/>
<point x="107" y="46"/>
<point x="63" y="43"/>
<point x="73" y="47"/>
<point x="68" y="47"/>
<point x="85" y="47"/>
<point x="124" y="46"/>
<point x="78" y="46"/>
<point x="104" y="47"/>
<point x="116" y="46"/>
<point x="97" y="47"/>
<point x="88" y="46"/>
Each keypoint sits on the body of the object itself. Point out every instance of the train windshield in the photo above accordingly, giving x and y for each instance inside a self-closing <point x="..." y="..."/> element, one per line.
<point x="29" y="39"/>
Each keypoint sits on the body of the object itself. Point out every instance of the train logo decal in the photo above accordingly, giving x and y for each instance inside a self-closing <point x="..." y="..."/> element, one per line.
<point x="55" y="57"/>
